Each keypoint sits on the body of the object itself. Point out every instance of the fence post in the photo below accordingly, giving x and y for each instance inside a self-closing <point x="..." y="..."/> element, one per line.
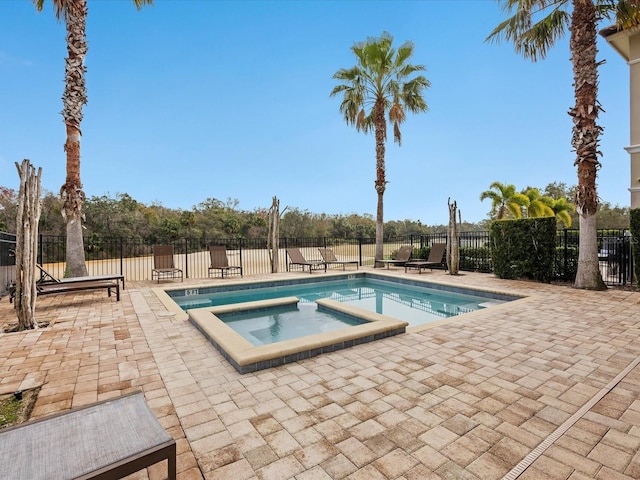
<point x="186" y="257"/>
<point x="40" y="252"/>
<point x="360" y="250"/>
<point x="285" y="254"/>
<point x="121" y="256"/>
<point x="566" y="260"/>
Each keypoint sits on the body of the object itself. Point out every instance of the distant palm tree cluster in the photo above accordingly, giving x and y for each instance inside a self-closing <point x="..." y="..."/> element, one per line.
<point x="506" y="202"/>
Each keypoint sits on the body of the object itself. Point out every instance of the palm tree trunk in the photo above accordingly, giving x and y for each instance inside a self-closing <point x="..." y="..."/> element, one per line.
<point x="74" y="99"/>
<point x="381" y="180"/>
<point x="586" y="131"/>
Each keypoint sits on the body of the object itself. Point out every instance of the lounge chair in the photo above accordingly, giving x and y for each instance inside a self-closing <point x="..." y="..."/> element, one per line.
<point x="402" y="256"/>
<point x="48" y="284"/>
<point x="46" y="277"/>
<point x="219" y="261"/>
<point x="296" y="257"/>
<point x="436" y="258"/>
<point x="330" y="258"/>
<point x="163" y="263"/>
<point x="109" y="439"/>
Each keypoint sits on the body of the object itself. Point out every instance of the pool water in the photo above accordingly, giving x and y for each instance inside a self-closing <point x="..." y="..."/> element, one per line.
<point x="264" y="326"/>
<point x="416" y="305"/>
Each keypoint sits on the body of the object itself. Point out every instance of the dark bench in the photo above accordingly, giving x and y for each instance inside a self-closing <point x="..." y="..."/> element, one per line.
<point x="106" y="440"/>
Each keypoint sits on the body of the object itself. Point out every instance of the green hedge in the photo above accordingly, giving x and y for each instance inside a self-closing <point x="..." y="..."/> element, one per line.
<point x="523" y="248"/>
<point x="634" y="214"/>
<point x="565" y="270"/>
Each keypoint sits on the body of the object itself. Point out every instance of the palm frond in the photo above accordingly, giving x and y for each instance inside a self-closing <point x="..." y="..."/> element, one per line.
<point x="397" y="135"/>
<point x="141" y="3"/>
<point x="627" y="14"/>
<point x="531" y="37"/>
<point x="405" y="52"/>
<point x="536" y="42"/>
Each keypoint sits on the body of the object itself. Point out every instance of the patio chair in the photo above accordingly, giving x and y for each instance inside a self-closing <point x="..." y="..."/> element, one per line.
<point x="296" y="258"/>
<point x="163" y="263"/>
<point x="436" y="258"/>
<point x="402" y="256"/>
<point x="330" y="258"/>
<point x="219" y="261"/>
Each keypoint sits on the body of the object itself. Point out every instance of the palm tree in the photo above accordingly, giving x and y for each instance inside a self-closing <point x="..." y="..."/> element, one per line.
<point x="74" y="98"/>
<point x="539" y="206"/>
<point x="562" y="210"/>
<point x="505" y="201"/>
<point x="534" y="28"/>
<point x="379" y="85"/>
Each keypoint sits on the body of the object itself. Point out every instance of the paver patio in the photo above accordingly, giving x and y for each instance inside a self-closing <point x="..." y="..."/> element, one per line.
<point x="552" y="379"/>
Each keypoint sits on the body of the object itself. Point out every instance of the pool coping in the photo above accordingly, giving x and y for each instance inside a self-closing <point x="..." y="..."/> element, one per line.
<point x="246" y="357"/>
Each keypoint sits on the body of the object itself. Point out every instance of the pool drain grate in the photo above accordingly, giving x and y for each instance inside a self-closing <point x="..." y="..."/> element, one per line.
<point x="547" y="442"/>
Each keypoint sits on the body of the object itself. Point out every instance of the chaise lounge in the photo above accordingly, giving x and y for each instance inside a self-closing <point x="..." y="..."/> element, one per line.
<point x="330" y="258"/>
<point x="296" y="258"/>
<point x="435" y="259"/>
<point x="106" y="440"/>
<point x="402" y="256"/>
<point x="48" y="284"/>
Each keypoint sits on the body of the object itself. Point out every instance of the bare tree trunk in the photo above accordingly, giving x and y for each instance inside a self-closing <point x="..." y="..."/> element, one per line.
<point x="273" y="240"/>
<point x="453" y="243"/>
<point x="27" y="220"/>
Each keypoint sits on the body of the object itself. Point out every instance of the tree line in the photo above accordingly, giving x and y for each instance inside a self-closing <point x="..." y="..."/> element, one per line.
<point x="123" y="216"/>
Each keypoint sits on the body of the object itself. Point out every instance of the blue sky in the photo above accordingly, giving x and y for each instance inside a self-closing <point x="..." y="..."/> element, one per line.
<point x="190" y="100"/>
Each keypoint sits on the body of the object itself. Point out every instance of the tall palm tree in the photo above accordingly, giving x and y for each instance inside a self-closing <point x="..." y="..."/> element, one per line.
<point x="376" y="87"/>
<point x="74" y="98"/>
<point x="505" y="201"/>
<point x="534" y="28"/>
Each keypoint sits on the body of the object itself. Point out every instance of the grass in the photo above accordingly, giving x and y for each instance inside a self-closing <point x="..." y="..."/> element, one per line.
<point x="14" y="411"/>
<point x="9" y="410"/>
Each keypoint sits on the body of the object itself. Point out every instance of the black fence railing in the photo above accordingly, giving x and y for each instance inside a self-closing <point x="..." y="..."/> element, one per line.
<point x="7" y="260"/>
<point x="134" y="258"/>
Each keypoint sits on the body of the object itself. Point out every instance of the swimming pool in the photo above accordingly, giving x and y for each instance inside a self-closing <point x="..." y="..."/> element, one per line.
<point x="417" y="304"/>
<point x="380" y="300"/>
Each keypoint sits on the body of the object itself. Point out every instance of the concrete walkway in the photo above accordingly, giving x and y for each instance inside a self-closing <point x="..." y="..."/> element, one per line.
<point x="544" y="388"/>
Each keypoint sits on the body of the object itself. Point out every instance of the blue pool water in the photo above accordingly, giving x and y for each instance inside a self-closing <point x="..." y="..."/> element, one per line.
<point x="264" y="326"/>
<point x="413" y="303"/>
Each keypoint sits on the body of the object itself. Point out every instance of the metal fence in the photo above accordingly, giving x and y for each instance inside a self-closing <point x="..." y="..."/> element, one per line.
<point x="134" y="258"/>
<point x="7" y="260"/>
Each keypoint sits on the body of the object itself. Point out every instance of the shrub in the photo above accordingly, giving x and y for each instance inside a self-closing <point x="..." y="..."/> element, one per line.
<point x="523" y="248"/>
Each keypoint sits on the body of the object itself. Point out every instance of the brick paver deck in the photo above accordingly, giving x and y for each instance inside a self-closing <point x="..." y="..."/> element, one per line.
<point x="501" y="393"/>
